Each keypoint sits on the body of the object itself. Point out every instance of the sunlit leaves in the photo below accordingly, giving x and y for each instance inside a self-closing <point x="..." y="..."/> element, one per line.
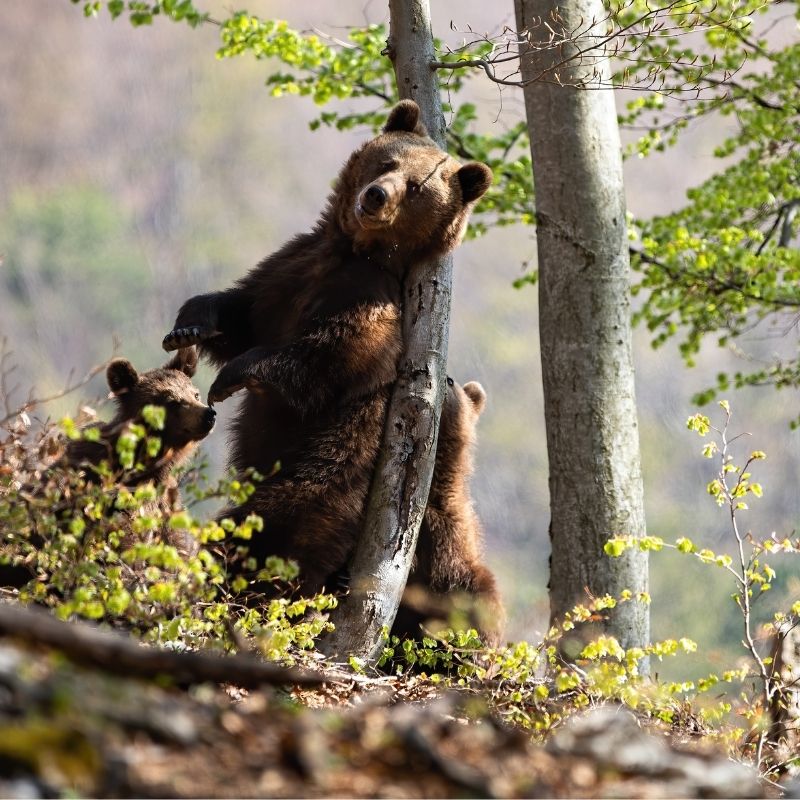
<point x="142" y="12"/>
<point x="112" y="548"/>
<point x="726" y="262"/>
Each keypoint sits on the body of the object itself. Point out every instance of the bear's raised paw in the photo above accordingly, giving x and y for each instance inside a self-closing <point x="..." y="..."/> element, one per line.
<point x="185" y="337"/>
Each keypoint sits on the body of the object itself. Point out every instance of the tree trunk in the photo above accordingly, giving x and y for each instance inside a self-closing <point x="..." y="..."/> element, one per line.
<point x="584" y="318"/>
<point x="399" y="493"/>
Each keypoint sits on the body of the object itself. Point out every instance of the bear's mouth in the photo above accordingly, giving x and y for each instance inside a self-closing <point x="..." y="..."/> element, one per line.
<point x="372" y="221"/>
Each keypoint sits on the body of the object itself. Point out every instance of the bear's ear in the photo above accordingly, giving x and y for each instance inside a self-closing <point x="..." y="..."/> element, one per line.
<point x="184" y="360"/>
<point x="475" y="179"/>
<point x="405" y="117"/>
<point x="476" y="394"/>
<point x="121" y="376"/>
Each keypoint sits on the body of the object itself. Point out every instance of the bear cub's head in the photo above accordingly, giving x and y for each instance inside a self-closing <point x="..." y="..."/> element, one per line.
<point x="399" y="192"/>
<point x="187" y="420"/>
<point x="461" y="409"/>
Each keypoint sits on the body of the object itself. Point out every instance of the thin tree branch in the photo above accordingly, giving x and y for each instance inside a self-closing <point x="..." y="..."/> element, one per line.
<point x="789" y="213"/>
<point x="33" y="401"/>
<point x="596" y="48"/>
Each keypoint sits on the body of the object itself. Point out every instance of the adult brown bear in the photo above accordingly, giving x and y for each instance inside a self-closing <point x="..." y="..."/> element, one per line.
<point x="314" y="333"/>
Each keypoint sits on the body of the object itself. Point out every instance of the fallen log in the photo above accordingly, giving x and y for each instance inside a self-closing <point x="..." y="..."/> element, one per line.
<point x="122" y="655"/>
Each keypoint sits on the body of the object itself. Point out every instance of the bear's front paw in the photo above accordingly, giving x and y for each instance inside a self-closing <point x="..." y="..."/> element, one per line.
<point x="185" y="337"/>
<point x="222" y="389"/>
<point x="231" y="379"/>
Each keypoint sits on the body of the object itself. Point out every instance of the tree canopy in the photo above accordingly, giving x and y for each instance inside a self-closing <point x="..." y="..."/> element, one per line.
<point x="718" y="267"/>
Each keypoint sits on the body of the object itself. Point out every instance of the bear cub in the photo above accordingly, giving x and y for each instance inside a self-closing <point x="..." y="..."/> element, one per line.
<point x="314" y="334"/>
<point x="187" y="421"/>
<point x="448" y="583"/>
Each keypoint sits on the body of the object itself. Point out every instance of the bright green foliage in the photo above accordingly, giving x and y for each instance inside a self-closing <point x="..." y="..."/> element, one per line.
<point x="533" y="687"/>
<point x="142" y="12"/>
<point x="115" y="549"/>
<point x="319" y="69"/>
<point x="719" y="265"/>
<point x="762" y="687"/>
<point x="727" y="260"/>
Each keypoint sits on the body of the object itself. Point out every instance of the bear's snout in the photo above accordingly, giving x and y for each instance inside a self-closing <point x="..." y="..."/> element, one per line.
<point x="209" y="417"/>
<point x="378" y="202"/>
<point x="373" y="198"/>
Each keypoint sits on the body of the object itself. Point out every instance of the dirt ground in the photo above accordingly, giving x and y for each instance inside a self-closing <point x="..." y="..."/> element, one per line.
<point x="65" y="729"/>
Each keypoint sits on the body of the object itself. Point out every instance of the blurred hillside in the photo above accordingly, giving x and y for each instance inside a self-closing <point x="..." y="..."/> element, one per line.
<point x="136" y="170"/>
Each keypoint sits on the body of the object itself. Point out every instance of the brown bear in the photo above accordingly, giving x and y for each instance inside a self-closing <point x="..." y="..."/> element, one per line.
<point x="314" y="333"/>
<point x="448" y="582"/>
<point x="187" y="421"/>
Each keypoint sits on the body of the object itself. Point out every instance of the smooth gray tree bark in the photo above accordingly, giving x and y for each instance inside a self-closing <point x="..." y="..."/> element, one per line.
<point x="399" y="494"/>
<point x="584" y="314"/>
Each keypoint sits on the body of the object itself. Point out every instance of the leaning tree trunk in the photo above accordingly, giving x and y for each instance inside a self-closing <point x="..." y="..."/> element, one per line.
<point x="584" y="314"/>
<point x="380" y="566"/>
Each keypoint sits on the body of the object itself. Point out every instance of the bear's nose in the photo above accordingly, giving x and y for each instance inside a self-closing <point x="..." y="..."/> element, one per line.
<point x="208" y="417"/>
<point x="374" y="198"/>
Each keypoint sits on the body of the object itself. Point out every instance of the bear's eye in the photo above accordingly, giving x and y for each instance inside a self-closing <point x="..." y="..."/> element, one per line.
<point x="412" y="187"/>
<point x="197" y="395"/>
<point x="388" y="166"/>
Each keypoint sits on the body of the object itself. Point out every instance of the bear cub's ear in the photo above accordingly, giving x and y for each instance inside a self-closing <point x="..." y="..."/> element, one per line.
<point x="405" y="117"/>
<point x="475" y="179"/>
<point x="184" y="360"/>
<point x="476" y="394"/>
<point x="121" y="376"/>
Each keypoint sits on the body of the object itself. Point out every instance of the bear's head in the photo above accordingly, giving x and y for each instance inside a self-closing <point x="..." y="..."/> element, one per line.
<point x="187" y="418"/>
<point x="402" y="195"/>
<point x="461" y="409"/>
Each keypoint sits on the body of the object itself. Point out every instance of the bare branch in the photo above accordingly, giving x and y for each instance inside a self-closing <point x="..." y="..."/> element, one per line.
<point x="783" y="219"/>
<point x="590" y="49"/>
<point x="789" y="213"/>
<point x="32" y="401"/>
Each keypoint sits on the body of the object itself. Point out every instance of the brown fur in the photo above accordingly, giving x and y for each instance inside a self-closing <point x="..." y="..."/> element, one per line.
<point x="188" y="420"/>
<point x="448" y="578"/>
<point x="314" y="332"/>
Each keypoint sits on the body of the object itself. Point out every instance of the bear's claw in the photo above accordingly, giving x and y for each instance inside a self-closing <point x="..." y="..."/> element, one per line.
<point x="185" y="337"/>
<point x="218" y="393"/>
<point x="220" y="390"/>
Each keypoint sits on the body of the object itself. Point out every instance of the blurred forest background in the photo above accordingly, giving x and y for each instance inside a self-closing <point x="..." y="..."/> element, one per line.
<point x="137" y="170"/>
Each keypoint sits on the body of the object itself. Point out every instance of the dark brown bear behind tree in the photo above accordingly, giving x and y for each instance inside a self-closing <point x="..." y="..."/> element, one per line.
<point x="449" y="585"/>
<point x="314" y="334"/>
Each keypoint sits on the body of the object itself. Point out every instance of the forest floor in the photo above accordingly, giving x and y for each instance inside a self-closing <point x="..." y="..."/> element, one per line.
<point x="69" y="729"/>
